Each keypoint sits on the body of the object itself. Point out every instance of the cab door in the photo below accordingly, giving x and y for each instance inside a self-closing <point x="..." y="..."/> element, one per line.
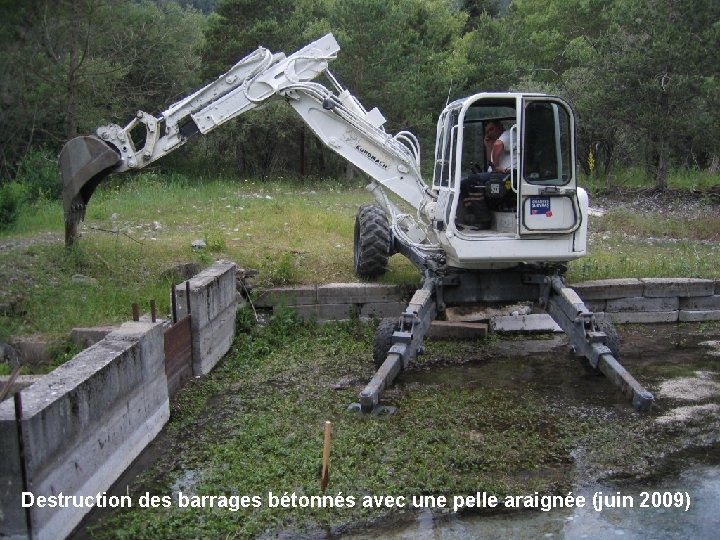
<point x="547" y="183"/>
<point x="445" y="166"/>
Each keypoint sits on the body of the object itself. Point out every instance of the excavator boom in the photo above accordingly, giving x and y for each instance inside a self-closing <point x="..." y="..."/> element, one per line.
<point x="337" y="118"/>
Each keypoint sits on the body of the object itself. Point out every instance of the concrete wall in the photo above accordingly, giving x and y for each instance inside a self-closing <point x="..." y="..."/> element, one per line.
<point x="81" y="426"/>
<point x="653" y="300"/>
<point x="213" y="305"/>
<point x="647" y="300"/>
<point x="338" y="301"/>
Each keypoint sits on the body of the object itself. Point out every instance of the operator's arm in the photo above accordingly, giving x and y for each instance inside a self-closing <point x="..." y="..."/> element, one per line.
<point x="496" y="157"/>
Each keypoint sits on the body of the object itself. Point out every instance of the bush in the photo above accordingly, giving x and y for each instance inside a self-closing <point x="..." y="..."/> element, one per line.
<point x="39" y="173"/>
<point x="12" y="196"/>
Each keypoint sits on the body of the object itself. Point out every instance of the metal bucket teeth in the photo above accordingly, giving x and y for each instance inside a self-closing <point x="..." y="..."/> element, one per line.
<point x="84" y="162"/>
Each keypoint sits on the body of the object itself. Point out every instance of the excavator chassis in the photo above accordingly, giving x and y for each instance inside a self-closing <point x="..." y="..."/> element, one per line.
<point x="523" y="283"/>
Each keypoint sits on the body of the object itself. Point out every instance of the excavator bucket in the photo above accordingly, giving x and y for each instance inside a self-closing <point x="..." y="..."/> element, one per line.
<point x="84" y="162"/>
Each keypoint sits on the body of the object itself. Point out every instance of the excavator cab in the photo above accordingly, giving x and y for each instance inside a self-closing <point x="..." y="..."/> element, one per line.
<point x="536" y="197"/>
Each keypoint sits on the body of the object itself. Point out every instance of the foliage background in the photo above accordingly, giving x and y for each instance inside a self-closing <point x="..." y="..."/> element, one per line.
<point x="642" y="75"/>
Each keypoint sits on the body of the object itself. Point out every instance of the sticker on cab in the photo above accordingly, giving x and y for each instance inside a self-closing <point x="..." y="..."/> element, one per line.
<point x="540" y="206"/>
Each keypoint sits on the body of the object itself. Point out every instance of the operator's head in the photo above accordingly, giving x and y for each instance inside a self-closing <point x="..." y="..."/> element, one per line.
<point x="493" y="129"/>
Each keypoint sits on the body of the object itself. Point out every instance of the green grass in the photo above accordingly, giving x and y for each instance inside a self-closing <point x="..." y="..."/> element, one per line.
<point x="255" y="424"/>
<point x="138" y="227"/>
<point x="637" y="178"/>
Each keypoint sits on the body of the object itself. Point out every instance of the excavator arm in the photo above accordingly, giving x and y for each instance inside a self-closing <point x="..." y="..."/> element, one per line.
<point x="336" y="117"/>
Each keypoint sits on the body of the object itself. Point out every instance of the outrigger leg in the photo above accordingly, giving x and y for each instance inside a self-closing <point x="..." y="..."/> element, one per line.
<point x="407" y="341"/>
<point x="589" y="340"/>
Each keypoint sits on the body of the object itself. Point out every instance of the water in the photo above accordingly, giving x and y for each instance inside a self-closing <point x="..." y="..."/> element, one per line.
<point x="667" y="353"/>
<point x="701" y="521"/>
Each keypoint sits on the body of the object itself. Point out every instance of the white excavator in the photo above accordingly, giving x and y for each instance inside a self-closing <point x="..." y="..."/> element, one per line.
<point x="478" y="233"/>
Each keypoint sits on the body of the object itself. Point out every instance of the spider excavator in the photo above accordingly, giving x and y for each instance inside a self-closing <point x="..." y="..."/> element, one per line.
<point x="475" y="234"/>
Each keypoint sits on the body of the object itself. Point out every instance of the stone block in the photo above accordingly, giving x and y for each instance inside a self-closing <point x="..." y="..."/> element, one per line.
<point x="300" y="295"/>
<point x="699" y="316"/>
<point x="658" y="287"/>
<point x="605" y="289"/>
<point x="532" y="323"/>
<point x="700" y="303"/>
<point x="640" y="303"/>
<point x="358" y="293"/>
<point x="643" y="317"/>
<point x="457" y="330"/>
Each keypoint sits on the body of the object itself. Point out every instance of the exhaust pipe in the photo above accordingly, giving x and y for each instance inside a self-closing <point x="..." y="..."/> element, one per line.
<point x="84" y="162"/>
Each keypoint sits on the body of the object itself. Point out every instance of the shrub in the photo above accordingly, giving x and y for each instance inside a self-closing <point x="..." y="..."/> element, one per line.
<point x="39" y="173"/>
<point x="12" y="196"/>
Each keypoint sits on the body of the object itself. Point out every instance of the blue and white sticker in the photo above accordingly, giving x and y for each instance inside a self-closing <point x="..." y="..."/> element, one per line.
<point x="540" y="206"/>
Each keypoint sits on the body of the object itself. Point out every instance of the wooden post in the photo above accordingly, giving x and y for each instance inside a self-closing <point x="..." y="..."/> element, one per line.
<point x="325" y="475"/>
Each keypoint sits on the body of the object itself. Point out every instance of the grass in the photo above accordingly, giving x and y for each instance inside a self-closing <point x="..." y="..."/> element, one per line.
<point x="256" y="425"/>
<point x="637" y="178"/>
<point x="139" y="227"/>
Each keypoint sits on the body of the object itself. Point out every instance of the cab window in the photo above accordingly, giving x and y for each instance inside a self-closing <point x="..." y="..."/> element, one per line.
<point x="548" y="156"/>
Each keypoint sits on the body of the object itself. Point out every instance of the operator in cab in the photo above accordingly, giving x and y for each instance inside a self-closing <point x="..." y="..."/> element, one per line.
<point x="498" y="147"/>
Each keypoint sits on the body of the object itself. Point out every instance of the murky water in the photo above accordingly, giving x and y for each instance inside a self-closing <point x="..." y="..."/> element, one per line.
<point x="698" y="478"/>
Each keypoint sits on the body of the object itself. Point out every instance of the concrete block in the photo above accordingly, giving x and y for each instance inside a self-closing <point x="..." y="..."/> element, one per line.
<point x="21" y="382"/>
<point x="643" y="317"/>
<point x="596" y="306"/>
<point x="717" y="286"/>
<point x="532" y="323"/>
<point x="699" y="316"/>
<point x="605" y="289"/>
<point x="358" y="293"/>
<point x="700" y="303"/>
<point x="658" y="287"/>
<point x="85" y="337"/>
<point x="378" y="310"/>
<point x="213" y="305"/>
<point x="640" y="303"/>
<point x="84" y="423"/>
<point x="13" y="521"/>
<point x="328" y="312"/>
<point x="212" y="341"/>
<point x="212" y="291"/>
<point x="33" y="350"/>
<point x="457" y="330"/>
<point x="288" y="296"/>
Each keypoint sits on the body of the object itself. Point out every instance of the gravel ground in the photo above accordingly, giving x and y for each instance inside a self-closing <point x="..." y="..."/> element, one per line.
<point x="671" y="203"/>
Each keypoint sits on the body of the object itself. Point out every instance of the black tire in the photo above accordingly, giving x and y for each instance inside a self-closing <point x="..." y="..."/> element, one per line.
<point x="373" y="242"/>
<point x="613" y="339"/>
<point x="383" y="340"/>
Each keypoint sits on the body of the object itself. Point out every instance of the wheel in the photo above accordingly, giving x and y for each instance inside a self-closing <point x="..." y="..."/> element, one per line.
<point x="383" y="340"/>
<point x="373" y="242"/>
<point x="613" y="339"/>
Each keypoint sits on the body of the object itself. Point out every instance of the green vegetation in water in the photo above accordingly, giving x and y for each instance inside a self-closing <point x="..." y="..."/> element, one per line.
<point x="255" y="426"/>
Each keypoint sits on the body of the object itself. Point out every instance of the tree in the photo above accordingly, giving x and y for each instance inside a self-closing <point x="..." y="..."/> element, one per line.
<point x="662" y="79"/>
<point x="70" y="65"/>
